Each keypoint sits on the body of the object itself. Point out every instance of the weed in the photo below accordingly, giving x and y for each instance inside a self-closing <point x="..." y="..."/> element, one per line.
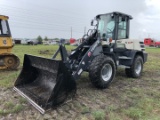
<point x="78" y="105"/>
<point x="22" y="100"/>
<point x="135" y="90"/>
<point x="110" y="108"/>
<point x="114" y="116"/>
<point x="17" y="108"/>
<point x="9" y="105"/>
<point x="3" y="112"/>
<point x="84" y="118"/>
<point x="146" y="104"/>
<point x="134" y="113"/>
<point x="99" y="115"/>
<point x="85" y="110"/>
<point x="10" y="108"/>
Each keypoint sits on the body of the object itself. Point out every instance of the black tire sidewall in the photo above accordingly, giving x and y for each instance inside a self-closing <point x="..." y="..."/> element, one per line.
<point x="137" y="59"/>
<point x="108" y="61"/>
<point x="95" y="71"/>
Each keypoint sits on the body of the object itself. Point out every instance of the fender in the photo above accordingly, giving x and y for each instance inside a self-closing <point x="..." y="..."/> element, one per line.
<point x="132" y="54"/>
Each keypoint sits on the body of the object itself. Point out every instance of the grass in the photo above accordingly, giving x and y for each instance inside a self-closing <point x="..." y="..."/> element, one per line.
<point x="85" y="110"/>
<point x="38" y="50"/>
<point x="126" y="98"/>
<point x="7" y="78"/>
<point x="11" y="108"/>
<point x="142" y="109"/>
<point x="99" y="115"/>
<point x="22" y="100"/>
<point x="152" y="50"/>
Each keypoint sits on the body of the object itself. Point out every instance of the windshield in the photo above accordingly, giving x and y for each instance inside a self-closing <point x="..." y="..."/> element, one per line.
<point x="106" y="26"/>
<point x="4" y="30"/>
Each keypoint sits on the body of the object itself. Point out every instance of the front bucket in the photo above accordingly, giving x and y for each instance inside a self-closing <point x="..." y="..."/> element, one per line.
<point x="44" y="82"/>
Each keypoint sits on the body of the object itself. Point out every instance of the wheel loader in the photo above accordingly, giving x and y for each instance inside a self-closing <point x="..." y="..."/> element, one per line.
<point x="7" y="59"/>
<point x="47" y="83"/>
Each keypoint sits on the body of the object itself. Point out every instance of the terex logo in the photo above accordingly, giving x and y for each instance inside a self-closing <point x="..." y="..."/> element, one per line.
<point x="129" y="42"/>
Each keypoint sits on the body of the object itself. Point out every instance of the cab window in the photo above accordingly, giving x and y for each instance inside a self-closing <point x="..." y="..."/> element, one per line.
<point x="106" y="26"/>
<point x="3" y="27"/>
<point x="122" y="28"/>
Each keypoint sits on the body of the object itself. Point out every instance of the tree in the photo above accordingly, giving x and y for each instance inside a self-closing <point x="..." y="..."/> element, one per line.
<point x="46" y="39"/>
<point x="39" y="38"/>
<point x="56" y="38"/>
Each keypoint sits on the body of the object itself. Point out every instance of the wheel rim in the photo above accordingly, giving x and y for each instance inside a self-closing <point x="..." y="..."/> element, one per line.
<point x="138" y="67"/>
<point x="9" y="61"/>
<point x="106" y="72"/>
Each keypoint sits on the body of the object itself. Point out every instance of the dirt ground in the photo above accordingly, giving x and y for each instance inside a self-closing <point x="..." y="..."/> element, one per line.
<point x="125" y="99"/>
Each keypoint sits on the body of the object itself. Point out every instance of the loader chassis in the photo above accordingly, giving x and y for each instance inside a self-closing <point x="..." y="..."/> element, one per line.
<point x="102" y="51"/>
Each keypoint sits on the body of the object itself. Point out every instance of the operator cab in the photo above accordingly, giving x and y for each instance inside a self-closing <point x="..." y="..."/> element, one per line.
<point x="4" y="27"/>
<point x="113" y="26"/>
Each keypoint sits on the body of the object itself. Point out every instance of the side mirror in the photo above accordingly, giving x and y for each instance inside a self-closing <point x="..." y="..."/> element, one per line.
<point x="93" y="23"/>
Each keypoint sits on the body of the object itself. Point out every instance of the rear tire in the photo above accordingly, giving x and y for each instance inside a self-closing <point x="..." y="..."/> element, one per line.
<point x="136" y="69"/>
<point x="102" y="71"/>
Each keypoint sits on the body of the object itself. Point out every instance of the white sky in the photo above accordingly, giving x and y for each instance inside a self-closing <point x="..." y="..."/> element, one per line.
<point x="54" y="18"/>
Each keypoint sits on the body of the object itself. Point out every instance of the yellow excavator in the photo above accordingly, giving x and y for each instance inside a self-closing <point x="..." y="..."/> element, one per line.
<point x="7" y="59"/>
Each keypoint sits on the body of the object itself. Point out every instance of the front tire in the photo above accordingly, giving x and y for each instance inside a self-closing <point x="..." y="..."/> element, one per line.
<point x="136" y="69"/>
<point x="102" y="71"/>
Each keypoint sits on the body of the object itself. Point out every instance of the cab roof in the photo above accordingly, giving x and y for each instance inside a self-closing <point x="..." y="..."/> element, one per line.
<point x="4" y="17"/>
<point x="116" y="13"/>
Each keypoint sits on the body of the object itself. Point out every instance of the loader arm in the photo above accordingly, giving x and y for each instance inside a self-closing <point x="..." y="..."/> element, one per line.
<point x="93" y="51"/>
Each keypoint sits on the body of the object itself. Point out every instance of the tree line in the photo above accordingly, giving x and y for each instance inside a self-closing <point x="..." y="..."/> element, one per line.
<point x="40" y="39"/>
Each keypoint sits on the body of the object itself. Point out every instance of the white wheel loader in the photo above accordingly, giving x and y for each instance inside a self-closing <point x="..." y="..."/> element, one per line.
<point x="47" y="83"/>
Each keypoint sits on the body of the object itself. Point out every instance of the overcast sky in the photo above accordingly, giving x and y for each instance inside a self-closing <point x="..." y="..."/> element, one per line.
<point x="54" y="18"/>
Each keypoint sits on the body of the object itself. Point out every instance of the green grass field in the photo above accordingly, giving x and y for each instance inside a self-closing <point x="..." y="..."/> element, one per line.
<point x="125" y="99"/>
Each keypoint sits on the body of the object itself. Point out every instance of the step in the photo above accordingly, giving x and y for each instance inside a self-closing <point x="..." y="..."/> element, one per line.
<point x="123" y="66"/>
<point x="124" y="57"/>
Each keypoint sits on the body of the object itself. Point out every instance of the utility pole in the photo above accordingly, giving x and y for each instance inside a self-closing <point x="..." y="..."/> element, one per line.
<point x="71" y="32"/>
